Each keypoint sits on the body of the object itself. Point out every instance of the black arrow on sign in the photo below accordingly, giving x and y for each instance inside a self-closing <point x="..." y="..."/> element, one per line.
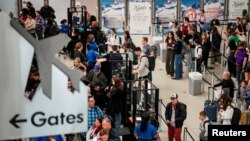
<point x="14" y="120"/>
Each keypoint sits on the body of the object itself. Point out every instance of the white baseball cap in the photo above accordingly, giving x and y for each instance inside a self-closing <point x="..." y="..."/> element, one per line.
<point x="174" y="95"/>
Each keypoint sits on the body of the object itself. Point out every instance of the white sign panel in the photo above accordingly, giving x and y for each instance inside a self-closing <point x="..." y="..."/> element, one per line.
<point x="140" y="17"/>
<point x="65" y="112"/>
<point x="236" y="7"/>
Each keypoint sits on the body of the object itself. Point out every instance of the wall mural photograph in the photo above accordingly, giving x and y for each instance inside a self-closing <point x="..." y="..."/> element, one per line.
<point x="113" y="15"/>
<point x="214" y="9"/>
<point x="166" y="11"/>
<point x="190" y="8"/>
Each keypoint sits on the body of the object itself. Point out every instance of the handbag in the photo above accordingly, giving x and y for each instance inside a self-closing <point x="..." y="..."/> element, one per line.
<point x="242" y="38"/>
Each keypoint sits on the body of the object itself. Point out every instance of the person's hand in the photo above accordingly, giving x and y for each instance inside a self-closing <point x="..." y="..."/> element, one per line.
<point x="134" y="72"/>
<point x="219" y="112"/>
<point x="97" y="88"/>
<point x="172" y="120"/>
<point x="106" y="88"/>
<point x="168" y="122"/>
<point x="108" y="95"/>
<point x="72" y="68"/>
<point x="83" y="66"/>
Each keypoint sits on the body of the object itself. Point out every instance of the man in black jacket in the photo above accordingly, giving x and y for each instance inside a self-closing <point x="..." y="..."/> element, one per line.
<point x="175" y="115"/>
<point x="227" y="82"/>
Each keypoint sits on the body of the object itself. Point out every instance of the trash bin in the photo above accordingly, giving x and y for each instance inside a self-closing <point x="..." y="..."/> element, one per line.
<point x="156" y="40"/>
<point x="195" y="81"/>
<point x="163" y="53"/>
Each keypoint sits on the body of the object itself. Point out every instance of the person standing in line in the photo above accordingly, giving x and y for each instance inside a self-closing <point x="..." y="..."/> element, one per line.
<point x="142" y="69"/>
<point x="113" y="39"/>
<point x="94" y="112"/>
<point x="227" y="82"/>
<point x="178" y="56"/>
<point x="203" y="20"/>
<point x="30" y="24"/>
<point x="47" y="11"/>
<point x="107" y="128"/>
<point x="225" y="113"/>
<point x="40" y="25"/>
<point x="203" y="126"/>
<point x="150" y="53"/>
<point x="170" y="44"/>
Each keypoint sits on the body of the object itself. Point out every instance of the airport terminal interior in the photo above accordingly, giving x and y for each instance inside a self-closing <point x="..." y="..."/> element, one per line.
<point x="123" y="70"/>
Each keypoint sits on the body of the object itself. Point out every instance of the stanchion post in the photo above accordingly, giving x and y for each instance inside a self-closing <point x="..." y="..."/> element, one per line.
<point x="157" y="103"/>
<point x="134" y="106"/>
<point x="159" y="112"/>
<point x="146" y="93"/>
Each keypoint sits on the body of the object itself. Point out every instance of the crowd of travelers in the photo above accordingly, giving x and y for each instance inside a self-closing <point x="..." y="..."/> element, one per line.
<point x="183" y="43"/>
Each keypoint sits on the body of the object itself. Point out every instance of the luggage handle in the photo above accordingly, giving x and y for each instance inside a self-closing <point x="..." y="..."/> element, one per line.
<point x="210" y="87"/>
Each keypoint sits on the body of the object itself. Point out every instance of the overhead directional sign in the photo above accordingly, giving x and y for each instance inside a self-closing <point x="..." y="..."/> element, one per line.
<point x="54" y="109"/>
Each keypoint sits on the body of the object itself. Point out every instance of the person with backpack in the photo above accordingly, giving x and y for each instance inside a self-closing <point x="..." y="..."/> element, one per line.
<point x="150" y="54"/>
<point x="175" y="114"/>
<point x="239" y="55"/>
<point x="206" y="47"/>
<point x="143" y="62"/>
<point x="128" y="40"/>
<point x="116" y="60"/>
<point x="198" y="56"/>
<point x="192" y="36"/>
<point x="204" y="126"/>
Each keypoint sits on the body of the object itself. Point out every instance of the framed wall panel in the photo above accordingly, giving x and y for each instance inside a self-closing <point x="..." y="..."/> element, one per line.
<point x="113" y="15"/>
<point x="236" y="7"/>
<point x="166" y="11"/>
<point x="140" y="17"/>
<point x="214" y="9"/>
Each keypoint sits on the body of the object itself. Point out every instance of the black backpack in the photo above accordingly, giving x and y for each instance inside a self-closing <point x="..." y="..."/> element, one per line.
<point x="203" y="52"/>
<point x="100" y="38"/>
<point x="236" y="116"/>
<point x="151" y="62"/>
<point x="154" y="48"/>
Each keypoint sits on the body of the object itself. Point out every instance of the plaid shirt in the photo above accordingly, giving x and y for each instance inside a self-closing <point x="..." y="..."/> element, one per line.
<point x="93" y="114"/>
<point x="40" y="23"/>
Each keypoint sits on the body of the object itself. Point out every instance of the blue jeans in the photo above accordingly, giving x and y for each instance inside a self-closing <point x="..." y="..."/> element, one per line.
<point x="238" y="72"/>
<point x="118" y="120"/>
<point x="178" y="66"/>
<point x="190" y="61"/>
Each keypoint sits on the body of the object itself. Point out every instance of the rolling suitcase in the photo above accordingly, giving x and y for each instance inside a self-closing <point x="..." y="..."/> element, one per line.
<point x="211" y="106"/>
